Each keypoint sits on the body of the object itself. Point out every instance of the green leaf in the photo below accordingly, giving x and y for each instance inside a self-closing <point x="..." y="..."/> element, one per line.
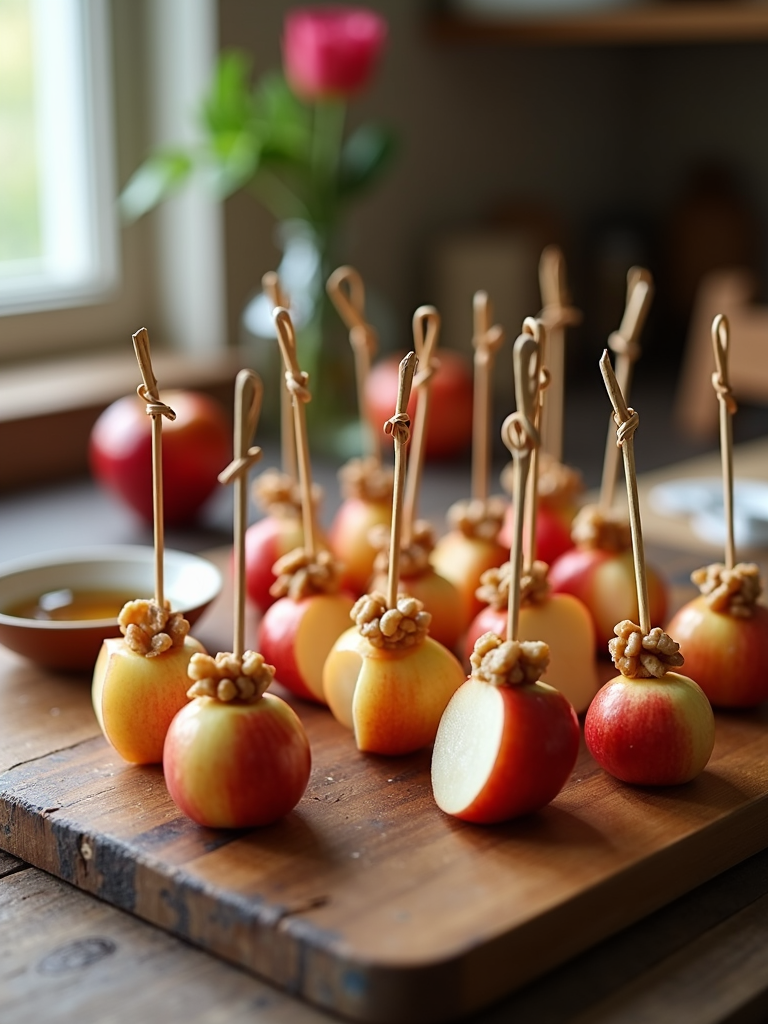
<point x="285" y="122"/>
<point x="234" y="161"/>
<point x="155" y="180"/>
<point x="228" y="106"/>
<point x="365" y="155"/>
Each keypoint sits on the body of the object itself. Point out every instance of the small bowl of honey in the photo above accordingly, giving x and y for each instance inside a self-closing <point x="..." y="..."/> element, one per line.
<point x="57" y="609"/>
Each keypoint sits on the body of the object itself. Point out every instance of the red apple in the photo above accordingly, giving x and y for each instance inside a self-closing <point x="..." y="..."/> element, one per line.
<point x="197" y="446"/>
<point x="296" y="637"/>
<point x="462" y="560"/>
<point x="553" y="533"/>
<point x="267" y="540"/>
<point x="449" y="430"/>
<point x="236" y="764"/>
<point x="503" y="750"/>
<point x="726" y="654"/>
<point x="651" y="732"/>
<point x="349" y="539"/>
<point x="604" y="581"/>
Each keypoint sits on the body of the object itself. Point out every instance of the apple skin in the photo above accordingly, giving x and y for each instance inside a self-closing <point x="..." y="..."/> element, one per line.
<point x="439" y="597"/>
<point x="462" y="561"/>
<point x="296" y="637"/>
<point x="266" y="540"/>
<point x="725" y="654"/>
<point x="135" y="698"/>
<point x="348" y="540"/>
<point x="604" y="581"/>
<point x="392" y="699"/>
<point x="553" y="532"/>
<point x="449" y="428"/>
<point x="565" y="625"/>
<point x="197" y="446"/>
<point x="651" y="732"/>
<point x="236" y="765"/>
<point x="536" y="753"/>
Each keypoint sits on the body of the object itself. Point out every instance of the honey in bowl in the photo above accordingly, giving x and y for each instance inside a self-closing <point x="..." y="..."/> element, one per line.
<point x="71" y="605"/>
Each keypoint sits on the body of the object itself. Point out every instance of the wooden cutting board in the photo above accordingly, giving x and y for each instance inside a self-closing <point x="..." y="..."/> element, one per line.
<point x="367" y="900"/>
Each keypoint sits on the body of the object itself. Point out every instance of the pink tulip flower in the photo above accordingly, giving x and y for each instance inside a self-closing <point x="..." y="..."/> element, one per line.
<point x="331" y="52"/>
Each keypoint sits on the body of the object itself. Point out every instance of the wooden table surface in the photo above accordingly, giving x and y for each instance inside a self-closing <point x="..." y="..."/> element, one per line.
<point x="66" y="956"/>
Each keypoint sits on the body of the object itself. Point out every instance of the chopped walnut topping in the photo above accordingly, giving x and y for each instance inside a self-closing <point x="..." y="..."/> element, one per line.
<point x="557" y="485"/>
<point x="149" y="629"/>
<point x="601" y="529"/>
<point x="477" y="518"/>
<point x="396" y="628"/>
<point x="414" y="557"/>
<point x="733" y="590"/>
<point x="641" y="657"/>
<point x="278" y="494"/>
<point x="366" y="479"/>
<point x="508" y="662"/>
<point x="494" y="585"/>
<point x="228" y="678"/>
<point x="299" y="576"/>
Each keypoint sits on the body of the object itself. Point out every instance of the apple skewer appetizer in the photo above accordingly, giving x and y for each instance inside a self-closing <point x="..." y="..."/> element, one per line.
<point x="471" y="546"/>
<point x="140" y="681"/>
<point x="299" y="629"/>
<point x="418" y="576"/>
<point x="385" y="678"/>
<point x="724" y="631"/>
<point x="236" y="756"/>
<point x="650" y="725"/>
<point x="599" y="570"/>
<point x="365" y="484"/>
<point x="560" y="620"/>
<point x="507" y="742"/>
<point x="559" y="486"/>
<point x="276" y="493"/>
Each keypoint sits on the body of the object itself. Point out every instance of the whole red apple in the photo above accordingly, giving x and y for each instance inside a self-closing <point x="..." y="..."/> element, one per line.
<point x="266" y="541"/>
<point x="449" y="430"/>
<point x="553" y="533"/>
<point x="197" y="446"/>
<point x="236" y="764"/>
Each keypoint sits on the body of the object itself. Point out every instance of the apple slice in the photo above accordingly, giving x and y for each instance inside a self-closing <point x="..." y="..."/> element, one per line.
<point x="506" y="743"/>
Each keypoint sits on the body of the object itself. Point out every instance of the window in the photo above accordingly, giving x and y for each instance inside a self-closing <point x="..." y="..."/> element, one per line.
<point x="58" y="232"/>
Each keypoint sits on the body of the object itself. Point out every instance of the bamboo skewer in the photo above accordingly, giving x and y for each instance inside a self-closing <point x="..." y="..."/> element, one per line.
<point x="626" y="422"/>
<point x="248" y="395"/>
<point x="272" y="288"/>
<point x="557" y="314"/>
<point x="722" y="386"/>
<point x="156" y="409"/>
<point x="486" y="341"/>
<point x="398" y="427"/>
<point x="536" y="330"/>
<point x="426" y="329"/>
<point x="347" y="292"/>
<point x="296" y="381"/>
<point x="626" y="346"/>
<point x="521" y="437"/>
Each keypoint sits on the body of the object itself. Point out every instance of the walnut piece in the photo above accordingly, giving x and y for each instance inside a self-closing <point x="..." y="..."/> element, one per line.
<point x="367" y="480"/>
<point x="414" y="557"/>
<point x="149" y="629"/>
<point x="643" y="657"/>
<point x="508" y="662"/>
<point x="228" y="678"/>
<point x="558" y="486"/>
<point x="733" y="590"/>
<point x="396" y="628"/>
<point x="277" y="494"/>
<point x="299" y="575"/>
<point x="477" y="518"/>
<point x="494" y="585"/>
<point x="601" y="529"/>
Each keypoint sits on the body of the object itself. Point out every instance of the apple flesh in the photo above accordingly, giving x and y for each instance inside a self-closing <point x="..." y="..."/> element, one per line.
<point x="236" y="764"/>
<point x="296" y="637"/>
<point x="462" y="560"/>
<point x="266" y="541"/>
<point x="604" y="581"/>
<point x="564" y="624"/>
<point x="135" y="698"/>
<point x="391" y="699"/>
<point x="651" y="732"/>
<point x="349" y="540"/>
<point x="727" y="655"/>
<point x="503" y="751"/>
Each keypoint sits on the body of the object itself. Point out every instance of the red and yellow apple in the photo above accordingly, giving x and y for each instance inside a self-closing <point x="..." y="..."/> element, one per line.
<point x="553" y="533"/>
<point x="266" y="541"/>
<point x="349" y="539"/>
<point x="439" y="597"/>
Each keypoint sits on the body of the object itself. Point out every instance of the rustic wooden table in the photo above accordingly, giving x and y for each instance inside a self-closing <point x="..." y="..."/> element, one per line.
<point x="66" y="956"/>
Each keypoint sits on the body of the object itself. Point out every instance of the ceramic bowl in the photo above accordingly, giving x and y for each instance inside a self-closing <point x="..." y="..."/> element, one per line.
<point x="190" y="584"/>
